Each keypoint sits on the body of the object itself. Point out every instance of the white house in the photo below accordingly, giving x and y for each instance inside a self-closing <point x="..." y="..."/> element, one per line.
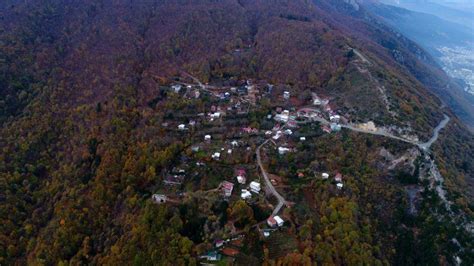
<point x="182" y="127"/>
<point x="283" y="150"/>
<point x="282" y="118"/>
<point x="335" y="118"/>
<point x="286" y="95"/>
<point x="176" y="88"/>
<point x="245" y="194"/>
<point x="288" y="132"/>
<point x="234" y="143"/>
<point x="302" y="139"/>
<point x="316" y="101"/>
<point x="279" y="220"/>
<point x="255" y="187"/>
<point x="325" y="175"/>
<point x="159" y="198"/>
<point x="216" y="156"/>
<point x="339" y="185"/>
<point x="207" y="137"/>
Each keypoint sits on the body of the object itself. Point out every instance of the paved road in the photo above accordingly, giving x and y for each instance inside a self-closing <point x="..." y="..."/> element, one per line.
<point x="268" y="183"/>
<point x="441" y="125"/>
<point x="424" y="146"/>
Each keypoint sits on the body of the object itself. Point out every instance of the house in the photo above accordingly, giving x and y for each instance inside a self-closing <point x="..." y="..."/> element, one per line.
<point x="325" y="176"/>
<point x="335" y="127"/>
<point x="283" y="150"/>
<point x="338" y="177"/>
<point x="339" y="185"/>
<point x="229" y="151"/>
<point x="207" y="137"/>
<point x="271" y="222"/>
<point x="174" y="180"/>
<point x="302" y="139"/>
<point x="215" y="115"/>
<point x="317" y="102"/>
<point x="211" y="256"/>
<point x="234" y="143"/>
<point x="334" y="118"/>
<point x="300" y="174"/>
<point x="286" y="95"/>
<point x="230" y="252"/>
<point x="274" y="221"/>
<point x="181" y="127"/>
<point x="227" y="188"/>
<point x="192" y="123"/>
<point x="282" y="118"/>
<point x="241" y="176"/>
<point x="255" y="187"/>
<point x="268" y="133"/>
<point x="219" y="243"/>
<point x="288" y="132"/>
<point x="216" y="156"/>
<point x="326" y="129"/>
<point x="176" y="88"/>
<point x="159" y="198"/>
<point x="243" y="90"/>
<point x="279" y="220"/>
<point x="245" y="194"/>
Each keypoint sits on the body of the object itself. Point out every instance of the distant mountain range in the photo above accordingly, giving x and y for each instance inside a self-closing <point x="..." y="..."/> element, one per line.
<point x="444" y="30"/>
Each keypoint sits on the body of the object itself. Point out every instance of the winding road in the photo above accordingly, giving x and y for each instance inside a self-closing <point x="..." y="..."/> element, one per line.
<point x="268" y="183"/>
<point x="281" y="200"/>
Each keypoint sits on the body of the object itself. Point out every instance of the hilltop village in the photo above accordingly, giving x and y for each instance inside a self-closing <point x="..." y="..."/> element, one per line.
<point x="239" y="165"/>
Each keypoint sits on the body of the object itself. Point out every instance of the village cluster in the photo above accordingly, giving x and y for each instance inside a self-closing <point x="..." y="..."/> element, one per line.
<point x="286" y="117"/>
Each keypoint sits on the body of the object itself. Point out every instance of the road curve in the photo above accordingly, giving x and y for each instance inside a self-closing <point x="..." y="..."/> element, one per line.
<point x="268" y="184"/>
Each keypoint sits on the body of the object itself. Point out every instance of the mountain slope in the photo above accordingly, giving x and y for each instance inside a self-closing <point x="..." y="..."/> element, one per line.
<point x="89" y="133"/>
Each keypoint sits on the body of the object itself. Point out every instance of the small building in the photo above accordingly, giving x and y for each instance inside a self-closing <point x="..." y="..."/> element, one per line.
<point x="182" y="127"/>
<point x="339" y="185"/>
<point x="219" y="243"/>
<point x="274" y="221"/>
<point x="215" y="115"/>
<point x="216" y="156"/>
<point x="338" y="177"/>
<point x="229" y="151"/>
<point x="326" y="129"/>
<point x="255" y="187"/>
<point x="159" y="198"/>
<point x="288" y="132"/>
<point x="243" y="90"/>
<point x="317" y="102"/>
<point x="283" y="150"/>
<point x="211" y="256"/>
<point x="279" y="221"/>
<point x="268" y="133"/>
<point x="234" y="143"/>
<point x="302" y="139"/>
<point x="174" y="180"/>
<point x="207" y="137"/>
<point x="176" y="88"/>
<point x="335" y="118"/>
<point x="241" y="176"/>
<point x="325" y="176"/>
<point x="335" y="127"/>
<point x="227" y="188"/>
<point x="286" y="95"/>
<point x="245" y="194"/>
<point x="282" y="118"/>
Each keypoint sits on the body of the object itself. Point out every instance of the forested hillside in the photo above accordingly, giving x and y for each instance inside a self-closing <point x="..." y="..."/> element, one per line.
<point x="92" y="125"/>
